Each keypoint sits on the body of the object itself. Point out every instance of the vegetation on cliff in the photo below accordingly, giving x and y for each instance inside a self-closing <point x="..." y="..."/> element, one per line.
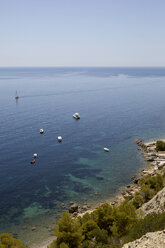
<point x="7" y="241"/>
<point x="149" y="186"/>
<point x="160" y="145"/>
<point x="103" y="227"/>
<point x="112" y="226"/>
<point x="151" y="223"/>
<point x="106" y="227"/>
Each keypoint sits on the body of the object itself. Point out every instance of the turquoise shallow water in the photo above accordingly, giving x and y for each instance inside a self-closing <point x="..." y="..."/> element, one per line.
<point x="117" y="106"/>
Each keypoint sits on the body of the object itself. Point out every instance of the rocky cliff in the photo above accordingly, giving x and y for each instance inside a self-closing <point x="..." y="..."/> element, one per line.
<point x="156" y="204"/>
<point x="149" y="240"/>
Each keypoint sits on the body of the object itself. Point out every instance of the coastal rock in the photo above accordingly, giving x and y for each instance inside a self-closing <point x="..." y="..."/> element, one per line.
<point x="33" y="228"/>
<point x="139" y="142"/>
<point x="74" y="214"/>
<point x="150" y="158"/>
<point x="73" y="208"/>
<point x="149" y="240"/>
<point x="161" y="164"/>
<point x="85" y="208"/>
<point x="136" y="181"/>
<point x="156" y="204"/>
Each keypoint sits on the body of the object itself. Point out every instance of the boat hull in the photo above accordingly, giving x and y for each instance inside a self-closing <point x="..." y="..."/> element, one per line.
<point x="76" y="117"/>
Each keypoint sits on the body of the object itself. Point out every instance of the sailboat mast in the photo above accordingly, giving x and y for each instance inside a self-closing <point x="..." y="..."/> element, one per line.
<point x="16" y="97"/>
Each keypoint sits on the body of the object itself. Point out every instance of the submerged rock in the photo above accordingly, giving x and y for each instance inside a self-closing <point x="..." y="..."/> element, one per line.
<point x="63" y="205"/>
<point x="24" y="227"/>
<point x="84" y="208"/>
<point x="34" y="228"/>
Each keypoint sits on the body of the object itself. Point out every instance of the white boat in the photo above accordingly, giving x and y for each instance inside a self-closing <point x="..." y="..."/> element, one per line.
<point x="76" y="116"/>
<point x="16" y="96"/>
<point x="34" y="155"/>
<point x="41" y="130"/>
<point x="59" y="138"/>
<point x="106" y="149"/>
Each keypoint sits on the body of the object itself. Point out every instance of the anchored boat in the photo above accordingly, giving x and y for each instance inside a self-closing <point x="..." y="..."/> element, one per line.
<point x="16" y="96"/>
<point x="59" y="138"/>
<point x="106" y="149"/>
<point x="76" y="116"/>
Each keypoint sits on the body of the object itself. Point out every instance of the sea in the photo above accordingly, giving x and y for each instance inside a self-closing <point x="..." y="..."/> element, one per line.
<point x="116" y="106"/>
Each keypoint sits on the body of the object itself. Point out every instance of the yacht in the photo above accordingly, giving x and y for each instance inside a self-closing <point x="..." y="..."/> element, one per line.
<point x="59" y="138"/>
<point x="106" y="149"/>
<point x="76" y="116"/>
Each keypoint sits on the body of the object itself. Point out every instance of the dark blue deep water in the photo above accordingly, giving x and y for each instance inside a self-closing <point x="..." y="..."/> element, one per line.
<point x="117" y="106"/>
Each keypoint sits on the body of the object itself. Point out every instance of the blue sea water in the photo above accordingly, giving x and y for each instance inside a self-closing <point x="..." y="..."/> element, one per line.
<point x="117" y="106"/>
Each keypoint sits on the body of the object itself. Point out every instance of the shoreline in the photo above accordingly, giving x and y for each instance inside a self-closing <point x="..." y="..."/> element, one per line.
<point x="44" y="244"/>
<point x="155" y="161"/>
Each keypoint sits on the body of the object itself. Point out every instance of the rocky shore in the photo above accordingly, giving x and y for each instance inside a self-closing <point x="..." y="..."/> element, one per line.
<point x="155" y="158"/>
<point x="155" y="165"/>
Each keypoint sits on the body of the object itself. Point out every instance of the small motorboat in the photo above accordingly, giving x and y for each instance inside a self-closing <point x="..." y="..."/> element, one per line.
<point x="41" y="130"/>
<point x="106" y="149"/>
<point x="33" y="161"/>
<point x="59" y="138"/>
<point x="76" y="116"/>
<point x="35" y="155"/>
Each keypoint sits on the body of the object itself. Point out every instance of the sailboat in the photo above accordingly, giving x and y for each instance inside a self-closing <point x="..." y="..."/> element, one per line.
<point x="16" y="97"/>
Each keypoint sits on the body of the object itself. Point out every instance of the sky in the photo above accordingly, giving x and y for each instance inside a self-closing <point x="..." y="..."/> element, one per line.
<point x="82" y="33"/>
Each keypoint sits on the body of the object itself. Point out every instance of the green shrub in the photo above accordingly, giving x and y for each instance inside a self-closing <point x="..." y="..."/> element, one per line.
<point x="7" y="241"/>
<point x="63" y="245"/>
<point x="124" y="217"/>
<point x="89" y="229"/>
<point x="138" y="200"/>
<point x="68" y="232"/>
<point x="147" y="193"/>
<point x="104" y="217"/>
<point x="160" y="145"/>
<point x="149" y="187"/>
<point x="151" y="223"/>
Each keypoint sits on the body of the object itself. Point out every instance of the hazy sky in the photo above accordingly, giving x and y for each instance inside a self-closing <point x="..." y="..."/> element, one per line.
<point x="82" y="32"/>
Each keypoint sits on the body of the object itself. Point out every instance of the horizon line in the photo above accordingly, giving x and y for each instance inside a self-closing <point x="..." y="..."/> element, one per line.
<point x="138" y="66"/>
